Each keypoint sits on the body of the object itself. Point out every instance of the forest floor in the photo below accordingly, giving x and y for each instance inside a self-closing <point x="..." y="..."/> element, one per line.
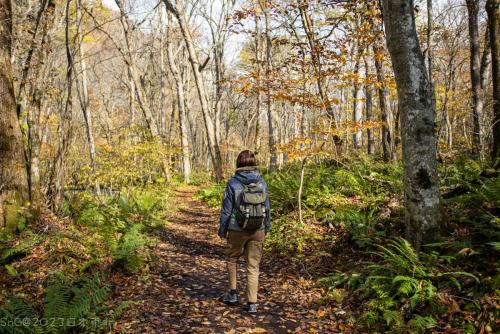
<point x="179" y="293"/>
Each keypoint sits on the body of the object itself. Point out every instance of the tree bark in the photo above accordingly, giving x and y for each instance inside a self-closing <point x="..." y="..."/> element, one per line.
<point x="307" y="24"/>
<point x="257" y="82"/>
<point x="475" y="75"/>
<point x="180" y="91"/>
<point x="493" y="10"/>
<point x="134" y="75"/>
<point x="213" y="145"/>
<point x="13" y="174"/>
<point x="369" y="108"/>
<point x="273" y="159"/>
<point x="421" y="185"/>
<point x="357" y="108"/>
<point x="83" y="92"/>
<point x="386" y="115"/>
<point x="430" y="27"/>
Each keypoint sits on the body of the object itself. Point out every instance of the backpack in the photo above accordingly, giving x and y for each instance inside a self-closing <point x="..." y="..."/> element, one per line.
<point x="251" y="211"/>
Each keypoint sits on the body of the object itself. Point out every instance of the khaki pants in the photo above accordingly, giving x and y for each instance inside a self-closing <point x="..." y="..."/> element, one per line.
<point x="250" y="244"/>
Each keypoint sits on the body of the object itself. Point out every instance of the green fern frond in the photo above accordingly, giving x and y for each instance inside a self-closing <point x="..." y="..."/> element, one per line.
<point x="392" y="318"/>
<point x="420" y="324"/>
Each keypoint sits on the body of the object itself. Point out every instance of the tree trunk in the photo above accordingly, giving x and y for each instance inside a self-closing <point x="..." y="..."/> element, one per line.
<point x="273" y="159"/>
<point x="13" y="174"/>
<point x="475" y="75"/>
<point x="83" y="92"/>
<point x="421" y="183"/>
<point x="357" y="108"/>
<point x="134" y="75"/>
<point x="493" y="10"/>
<point x="430" y="27"/>
<point x="58" y="172"/>
<point x="385" y="113"/>
<point x="307" y="24"/>
<point x="257" y="83"/>
<point x="180" y="91"/>
<point x="386" y="116"/>
<point x="213" y="145"/>
<point x="369" y="108"/>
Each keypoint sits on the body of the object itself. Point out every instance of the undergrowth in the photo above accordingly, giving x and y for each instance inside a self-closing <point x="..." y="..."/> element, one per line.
<point x="97" y="234"/>
<point x="388" y="287"/>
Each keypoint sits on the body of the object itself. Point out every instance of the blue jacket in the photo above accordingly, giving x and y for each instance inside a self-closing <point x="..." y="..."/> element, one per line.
<point x="233" y="190"/>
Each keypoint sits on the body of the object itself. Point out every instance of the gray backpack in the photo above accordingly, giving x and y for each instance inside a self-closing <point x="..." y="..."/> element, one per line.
<point x="251" y="207"/>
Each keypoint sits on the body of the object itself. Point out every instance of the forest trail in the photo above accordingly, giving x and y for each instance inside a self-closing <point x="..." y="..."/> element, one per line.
<point x="188" y="275"/>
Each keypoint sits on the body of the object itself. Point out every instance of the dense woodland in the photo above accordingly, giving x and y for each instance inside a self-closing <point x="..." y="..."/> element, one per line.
<point x="376" y="125"/>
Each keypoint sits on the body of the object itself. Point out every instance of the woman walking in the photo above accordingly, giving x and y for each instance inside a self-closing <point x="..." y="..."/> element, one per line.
<point x="245" y="220"/>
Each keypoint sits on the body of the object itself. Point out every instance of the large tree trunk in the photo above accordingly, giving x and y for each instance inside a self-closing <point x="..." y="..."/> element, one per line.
<point x="213" y="145"/>
<point x="475" y="75"/>
<point x="13" y="174"/>
<point x="421" y="185"/>
<point x="493" y="10"/>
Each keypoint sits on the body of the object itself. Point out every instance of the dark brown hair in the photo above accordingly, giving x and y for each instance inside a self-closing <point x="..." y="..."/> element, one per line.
<point x="246" y="159"/>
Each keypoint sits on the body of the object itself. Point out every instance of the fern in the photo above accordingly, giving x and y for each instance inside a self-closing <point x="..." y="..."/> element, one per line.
<point x="420" y="324"/>
<point x="495" y="245"/>
<point x="72" y="303"/>
<point x="65" y="309"/>
<point x="392" y="318"/>
<point x="128" y="252"/>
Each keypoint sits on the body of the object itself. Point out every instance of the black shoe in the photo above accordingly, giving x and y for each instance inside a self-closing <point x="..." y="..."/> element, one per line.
<point x="230" y="298"/>
<point x="250" y="308"/>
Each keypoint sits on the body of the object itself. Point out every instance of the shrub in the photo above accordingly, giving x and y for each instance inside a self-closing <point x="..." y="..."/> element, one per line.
<point x="212" y="195"/>
<point x="290" y="236"/>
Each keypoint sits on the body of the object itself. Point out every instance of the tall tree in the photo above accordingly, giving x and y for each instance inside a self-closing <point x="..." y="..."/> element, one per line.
<point x="83" y="89"/>
<point x="357" y="94"/>
<point x="386" y="115"/>
<point x="308" y="26"/>
<point x="181" y="92"/>
<point x="421" y="185"/>
<point x="475" y="74"/>
<point x="370" y="139"/>
<point x="213" y="146"/>
<point x="273" y="160"/>
<point x="13" y="174"/>
<point x="493" y="10"/>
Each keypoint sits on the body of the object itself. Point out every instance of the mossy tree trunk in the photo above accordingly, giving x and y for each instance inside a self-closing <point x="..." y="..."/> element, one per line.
<point x="13" y="173"/>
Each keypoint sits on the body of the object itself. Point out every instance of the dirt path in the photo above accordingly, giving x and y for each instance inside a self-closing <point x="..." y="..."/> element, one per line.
<point x="180" y="293"/>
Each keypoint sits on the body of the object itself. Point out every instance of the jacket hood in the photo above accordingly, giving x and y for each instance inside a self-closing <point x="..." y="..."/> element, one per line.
<point x="247" y="176"/>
